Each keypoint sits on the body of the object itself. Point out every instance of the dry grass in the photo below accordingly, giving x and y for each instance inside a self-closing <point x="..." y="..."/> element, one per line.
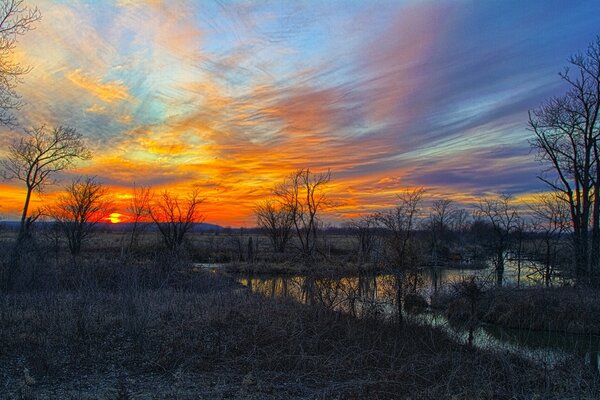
<point x="105" y="327"/>
<point x="276" y="347"/>
<point x="561" y="309"/>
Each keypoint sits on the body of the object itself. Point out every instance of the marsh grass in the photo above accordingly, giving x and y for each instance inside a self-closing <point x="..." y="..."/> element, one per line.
<point x="102" y="326"/>
<point x="573" y="310"/>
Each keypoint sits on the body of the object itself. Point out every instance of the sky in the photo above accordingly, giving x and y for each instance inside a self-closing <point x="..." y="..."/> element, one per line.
<point x="232" y="96"/>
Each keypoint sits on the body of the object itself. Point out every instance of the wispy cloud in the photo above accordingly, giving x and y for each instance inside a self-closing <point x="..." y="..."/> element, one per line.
<point x="232" y="96"/>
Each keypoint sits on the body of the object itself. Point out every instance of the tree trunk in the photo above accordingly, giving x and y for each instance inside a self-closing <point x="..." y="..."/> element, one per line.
<point x="399" y="299"/>
<point x="547" y="272"/>
<point x="595" y="250"/>
<point x="23" y="226"/>
<point x="499" y="268"/>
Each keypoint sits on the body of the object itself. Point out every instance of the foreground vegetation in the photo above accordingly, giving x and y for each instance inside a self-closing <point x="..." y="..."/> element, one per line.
<point x="102" y="326"/>
<point x="560" y="309"/>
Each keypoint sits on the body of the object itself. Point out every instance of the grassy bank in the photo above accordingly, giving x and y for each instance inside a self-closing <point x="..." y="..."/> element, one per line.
<point x="194" y="342"/>
<point x="263" y="349"/>
<point x="561" y="309"/>
<point x="101" y="326"/>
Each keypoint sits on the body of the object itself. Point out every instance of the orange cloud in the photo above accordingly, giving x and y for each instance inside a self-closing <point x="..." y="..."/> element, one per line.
<point x="107" y="92"/>
<point x="95" y="108"/>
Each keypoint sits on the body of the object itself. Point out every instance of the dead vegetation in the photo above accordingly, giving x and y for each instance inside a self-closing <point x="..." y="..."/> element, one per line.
<point x="105" y="327"/>
<point x="563" y="309"/>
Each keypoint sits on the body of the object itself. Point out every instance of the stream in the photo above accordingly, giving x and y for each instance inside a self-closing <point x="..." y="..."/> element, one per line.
<point x="372" y="294"/>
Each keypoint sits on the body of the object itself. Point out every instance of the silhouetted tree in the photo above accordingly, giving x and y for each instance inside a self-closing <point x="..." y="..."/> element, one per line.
<point x="303" y="196"/>
<point x="174" y="216"/>
<point x="364" y="229"/>
<point x="139" y="212"/>
<point x="399" y="224"/>
<point x="470" y="290"/>
<point x="503" y="218"/>
<point x="441" y="217"/>
<point x="16" y="18"/>
<point x="550" y="220"/>
<point x="276" y="220"/>
<point x="567" y="130"/>
<point x="37" y="156"/>
<point x="84" y="204"/>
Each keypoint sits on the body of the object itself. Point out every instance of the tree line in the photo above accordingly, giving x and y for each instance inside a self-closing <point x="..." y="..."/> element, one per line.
<point x="565" y="135"/>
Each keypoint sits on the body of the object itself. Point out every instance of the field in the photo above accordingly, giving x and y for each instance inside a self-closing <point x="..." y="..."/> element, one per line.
<point x="150" y="324"/>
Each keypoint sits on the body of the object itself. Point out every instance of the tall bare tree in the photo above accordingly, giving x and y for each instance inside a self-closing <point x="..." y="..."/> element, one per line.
<point x="37" y="156"/>
<point x="567" y="131"/>
<point x="303" y="195"/>
<point x="84" y="204"/>
<point x="16" y="18"/>
<point x="175" y="216"/>
<point x="277" y="221"/>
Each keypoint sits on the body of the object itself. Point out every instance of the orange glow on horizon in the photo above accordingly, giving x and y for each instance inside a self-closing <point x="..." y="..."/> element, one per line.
<point x="115" y="218"/>
<point x="231" y="203"/>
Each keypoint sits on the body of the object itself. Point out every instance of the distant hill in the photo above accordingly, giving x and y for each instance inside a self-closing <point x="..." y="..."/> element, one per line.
<point x="202" y="227"/>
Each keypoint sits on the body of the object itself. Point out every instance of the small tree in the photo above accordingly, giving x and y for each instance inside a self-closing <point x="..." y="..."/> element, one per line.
<point x="364" y="229"/>
<point x="276" y="221"/>
<point x="84" y="204"/>
<point x="302" y="195"/>
<point x="174" y="216"/>
<point x="440" y="223"/>
<point x="139" y="212"/>
<point x="37" y="156"/>
<point x="399" y="224"/>
<point x="550" y="220"/>
<point x="503" y="218"/>
<point x="15" y="20"/>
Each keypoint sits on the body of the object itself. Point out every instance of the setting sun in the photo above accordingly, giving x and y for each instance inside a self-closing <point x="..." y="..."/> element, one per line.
<point x="115" y="218"/>
<point x="237" y="104"/>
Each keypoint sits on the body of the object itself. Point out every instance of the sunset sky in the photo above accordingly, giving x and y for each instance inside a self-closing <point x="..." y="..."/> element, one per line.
<point x="234" y="95"/>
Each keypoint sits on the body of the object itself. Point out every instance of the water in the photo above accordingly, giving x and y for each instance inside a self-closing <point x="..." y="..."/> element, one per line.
<point x="374" y="295"/>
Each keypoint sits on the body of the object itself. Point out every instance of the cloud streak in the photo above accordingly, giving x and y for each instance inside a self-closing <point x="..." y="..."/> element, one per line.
<point x="233" y="96"/>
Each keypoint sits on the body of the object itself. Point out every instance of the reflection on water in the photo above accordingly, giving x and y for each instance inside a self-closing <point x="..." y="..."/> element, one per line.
<point x="368" y="288"/>
<point x="370" y="295"/>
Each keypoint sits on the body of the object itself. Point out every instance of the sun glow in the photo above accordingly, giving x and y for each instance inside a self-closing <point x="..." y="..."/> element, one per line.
<point x="232" y="97"/>
<point x="115" y="218"/>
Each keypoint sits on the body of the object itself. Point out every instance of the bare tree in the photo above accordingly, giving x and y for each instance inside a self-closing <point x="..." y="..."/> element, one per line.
<point x="276" y="220"/>
<point x="441" y="218"/>
<point x="503" y="218"/>
<point x="16" y="18"/>
<point x="364" y="229"/>
<point x="139" y="213"/>
<point x="303" y="196"/>
<point x="567" y="130"/>
<point x="460" y="225"/>
<point x="522" y="226"/>
<point x="174" y="216"/>
<point x="399" y="224"/>
<point x="84" y="204"/>
<point x="37" y="156"/>
<point x="550" y="220"/>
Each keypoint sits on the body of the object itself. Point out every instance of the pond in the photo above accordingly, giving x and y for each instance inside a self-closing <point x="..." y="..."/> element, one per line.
<point x="372" y="294"/>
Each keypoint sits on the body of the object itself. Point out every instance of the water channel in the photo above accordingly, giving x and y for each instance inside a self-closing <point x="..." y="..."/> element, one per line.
<point x="371" y="294"/>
